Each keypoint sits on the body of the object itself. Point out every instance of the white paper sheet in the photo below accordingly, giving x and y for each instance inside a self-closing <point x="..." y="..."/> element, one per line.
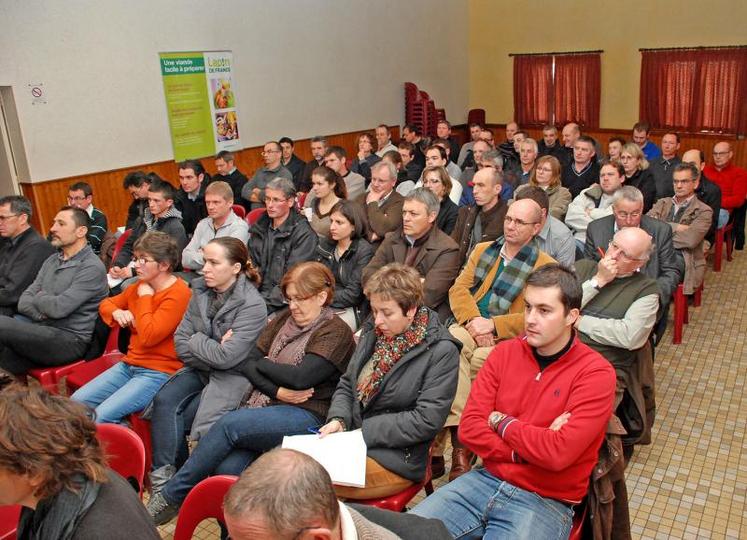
<point x="342" y="454"/>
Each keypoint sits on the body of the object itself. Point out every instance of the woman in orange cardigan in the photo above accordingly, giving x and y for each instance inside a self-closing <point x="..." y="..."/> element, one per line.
<point x="152" y="309"/>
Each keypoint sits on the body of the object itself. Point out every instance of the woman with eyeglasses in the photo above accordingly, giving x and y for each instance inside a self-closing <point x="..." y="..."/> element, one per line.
<point x="151" y="308"/>
<point x="637" y="173"/>
<point x="546" y="175"/>
<point x="224" y="318"/>
<point x="438" y="181"/>
<point x="293" y="367"/>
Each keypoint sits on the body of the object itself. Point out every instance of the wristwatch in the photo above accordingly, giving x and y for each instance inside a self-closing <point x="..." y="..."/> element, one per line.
<point x="494" y="419"/>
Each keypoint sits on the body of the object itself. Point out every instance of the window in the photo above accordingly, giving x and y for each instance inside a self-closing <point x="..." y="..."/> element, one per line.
<point x="695" y="90"/>
<point x="557" y="88"/>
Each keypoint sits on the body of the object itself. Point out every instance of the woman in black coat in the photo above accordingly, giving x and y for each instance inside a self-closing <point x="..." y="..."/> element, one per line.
<point x="346" y="252"/>
<point x="438" y="181"/>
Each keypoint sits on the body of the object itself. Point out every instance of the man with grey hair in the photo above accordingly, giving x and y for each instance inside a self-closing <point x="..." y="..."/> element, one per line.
<point x="382" y="204"/>
<point x="22" y="251"/>
<point x="422" y="245"/>
<point x="280" y="238"/>
<point x="666" y="265"/>
<point x="318" y="146"/>
<point x="618" y="312"/>
<point x="253" y="190"/>
<point x="285" y="494"/>
<point x="521" y="169"/>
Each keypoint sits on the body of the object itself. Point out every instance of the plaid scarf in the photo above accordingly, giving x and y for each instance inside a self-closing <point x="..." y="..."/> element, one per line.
<point x="511" y="280"/>
<point x="388" y="351"/>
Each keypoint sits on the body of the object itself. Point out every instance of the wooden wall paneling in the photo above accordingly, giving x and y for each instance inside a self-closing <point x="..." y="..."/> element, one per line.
<point x="48" y="197"/>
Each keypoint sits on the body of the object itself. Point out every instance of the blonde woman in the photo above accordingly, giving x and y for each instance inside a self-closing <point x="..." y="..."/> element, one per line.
<point x="637" y="173"/>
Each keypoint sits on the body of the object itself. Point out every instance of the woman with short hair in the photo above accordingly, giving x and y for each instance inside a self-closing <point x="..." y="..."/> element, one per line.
<point x="637" y="174"/>
<point x="546" y="175"/>
<point x="293" y="368"/>
<point x="151" y="309"/>
<point x="399" y="385"/>
<point x="52" y="464"/>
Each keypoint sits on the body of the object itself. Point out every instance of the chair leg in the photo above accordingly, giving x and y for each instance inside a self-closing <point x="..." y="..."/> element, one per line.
<point x="428" y="488"/>
<point x="729" y="244"/>
<point x="718" y="250"/>
<point x="698" y="297"/>
<point x="679" y="315"/>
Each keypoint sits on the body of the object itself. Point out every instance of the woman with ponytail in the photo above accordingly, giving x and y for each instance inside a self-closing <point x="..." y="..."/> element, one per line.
<point x="224" y="318"/>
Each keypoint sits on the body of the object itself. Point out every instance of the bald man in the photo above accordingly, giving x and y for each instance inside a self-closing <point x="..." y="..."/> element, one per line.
<point x="733" y="183"/>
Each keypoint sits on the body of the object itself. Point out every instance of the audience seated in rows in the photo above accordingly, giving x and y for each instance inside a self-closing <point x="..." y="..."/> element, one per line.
<point x="438" y="181"/>
<point x="328" y="188"/>
<point x="346" y="253"/>
<point x="150" y="309"/>
<point x="253" y="191"/>
<point x="637" y="174"/>
<point x="382" y="204"/>
<point x="690" y="220"/>
<point x="383" y="140"/>
<point x="483" y="220"/>
<point x="293" y="369"/>
<point x="80" y="195"/>
<point x="546" y="175"/>
<point x="284" y="492"/>
<point x="399" y="384"/>
<point x="190" y="197"/>
<point x="595" y="201"/>
<point x="279" y="239"/>
<point x="161" y="216"/>
<point x="291" y="161"/>
<point x="336" y="159"/>
<point x="22" y="251"/>
<point x="420" y="244"/>
<point x="510" y="403"/>
<point x="227" y="172"/>
<point x="365" y="157"/>
<point x="57" y="312"/>
<point x="224" y="317"/>
<point x="666" y="265"/>
<point x="582" y="170"/>
<point x="220" y="222"/>
<point x="640" y="139"/>
<point x="554" y="237"/>
<point x="488" y="303"/>
<point x="52" y="464"/>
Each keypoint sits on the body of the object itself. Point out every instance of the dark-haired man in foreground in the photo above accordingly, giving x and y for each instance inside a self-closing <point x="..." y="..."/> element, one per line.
<point x="536" y="415"/>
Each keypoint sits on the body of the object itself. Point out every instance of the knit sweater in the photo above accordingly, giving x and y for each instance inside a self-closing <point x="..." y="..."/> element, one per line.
<point x="156" y="319"/>
<point x="523" y="451"/>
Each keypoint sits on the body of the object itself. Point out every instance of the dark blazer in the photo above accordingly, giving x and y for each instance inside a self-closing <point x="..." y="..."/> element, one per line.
<point x="437" y="261"/>
<point x="710" y="193"/>
<point x="20" y="260"/>
<point x="644" y="181"/>
<point x="666" y="264"/>
<point x="192" y="211"/>
<point x="447" y="215"/>
<point x="236" y="180"/>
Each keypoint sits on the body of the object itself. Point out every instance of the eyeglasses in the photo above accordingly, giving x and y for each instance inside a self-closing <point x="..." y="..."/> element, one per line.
<point x="274" y="200"/>
<point x="6" y="218"/>
<point x="626" y="215"/>
<point x="142" y="260"/>
<point x="76" y="199"/>
<point x="613" y="245"/>
<point x="265" y="152"/>
<point x="508" y="220"/>
<point x="296" y="299"/>
<point x="722" y="153"/>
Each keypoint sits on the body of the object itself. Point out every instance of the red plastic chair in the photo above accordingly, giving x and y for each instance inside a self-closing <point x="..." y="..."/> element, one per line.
<point x="141" y="427"/>
<point x="203" y="502"/>
<point x="121" y="242"/>
<point x="49" y="378"/>
<point x="300" y="200"/>
<point x="79" y="374"/>
<point x="398" y="501"/>
<point x="9" y="521"/>
<point x="724" y="234"/>
<point x="681" y="314"/>
<point x="239" y="210"/>
<point x="254" y="215"/>
<point x="125" y="452"/>
<point x="579" y="517"/>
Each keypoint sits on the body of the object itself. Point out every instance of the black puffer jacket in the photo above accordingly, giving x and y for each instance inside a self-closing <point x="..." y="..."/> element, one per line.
<point x="412" y="403"/>
<point x="347" y="272"/>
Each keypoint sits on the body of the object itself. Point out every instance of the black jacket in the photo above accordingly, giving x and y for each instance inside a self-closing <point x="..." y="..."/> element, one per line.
<point x="274" y="253"/>
<point x="171" y="224"/>
<point x="347" y="272"/>
<point x="20" y="260"/>
<point x="447" y="215"/>
<point x="402" y="419"/>
<point x="192" y="211"/>
<point x="710" y="193"/>
<point x="644" y="181"/>
<point x="296" y="166"/>
<point x="236" y="180"/>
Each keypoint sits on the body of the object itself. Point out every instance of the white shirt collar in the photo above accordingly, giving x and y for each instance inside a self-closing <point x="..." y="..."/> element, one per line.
<point x="347" y="524"/>
<point x="89" y="210"/>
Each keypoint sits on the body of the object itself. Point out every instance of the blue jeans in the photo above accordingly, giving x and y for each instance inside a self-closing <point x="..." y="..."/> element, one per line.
<point x="236" y="440"/>
<point x="120" y="390"/>
<point x="174" y="409"/>
<point x="479" y="505"/>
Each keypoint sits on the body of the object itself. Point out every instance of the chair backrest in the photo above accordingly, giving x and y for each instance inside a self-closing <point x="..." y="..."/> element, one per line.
<point x="9" y="521"/>
<point x="239" y="210"/>
<point x="301" y="200"/>
<point x="254" y="215"/>
<point x="120" y="243"/>
<point x="203" y="502"/>
<point x="125" y="452"/>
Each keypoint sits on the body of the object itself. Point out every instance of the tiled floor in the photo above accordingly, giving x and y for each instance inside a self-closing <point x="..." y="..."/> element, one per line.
<point x="692" y="481"/>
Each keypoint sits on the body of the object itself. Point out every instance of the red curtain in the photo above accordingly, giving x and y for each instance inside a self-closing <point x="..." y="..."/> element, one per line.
<point x="532" y="89"/>
<point x="578" y="89"/>
<point x="695" y="90"/>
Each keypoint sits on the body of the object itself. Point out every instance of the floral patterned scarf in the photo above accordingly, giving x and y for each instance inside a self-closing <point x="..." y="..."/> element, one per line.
<point x="388" y="351"/>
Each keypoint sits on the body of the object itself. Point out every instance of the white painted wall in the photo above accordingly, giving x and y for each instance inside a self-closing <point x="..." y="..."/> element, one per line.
<point x="305" y="67"/>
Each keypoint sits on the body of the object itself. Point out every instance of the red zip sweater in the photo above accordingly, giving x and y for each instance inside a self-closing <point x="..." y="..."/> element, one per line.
<point x="733" y="183"/>
<point x="524" y="451"/>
